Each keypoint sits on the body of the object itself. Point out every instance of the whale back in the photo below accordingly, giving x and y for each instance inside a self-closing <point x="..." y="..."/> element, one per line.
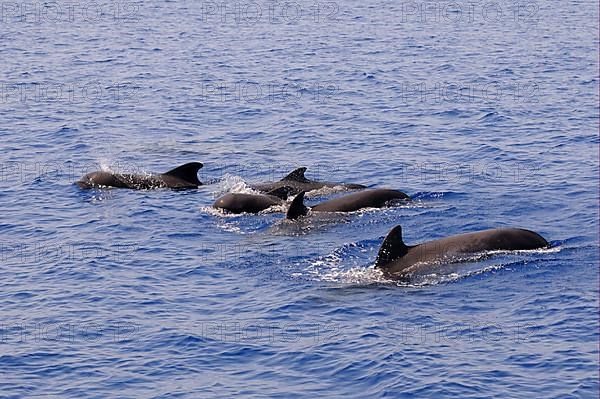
<point x="184" y="176"/>
<point x="398" y="260"/>
<point x="297" y="175"/>
<point x="246" y="203"/>
<point x="374" y="198"/>
<point x="297" y="182"/>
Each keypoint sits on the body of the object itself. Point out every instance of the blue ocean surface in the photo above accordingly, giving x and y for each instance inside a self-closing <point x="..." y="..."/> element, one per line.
<point x="485" y="113"/>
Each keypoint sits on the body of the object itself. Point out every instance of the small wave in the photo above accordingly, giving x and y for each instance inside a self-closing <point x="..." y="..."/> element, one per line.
<point x="449" y="113"/>
<point x="96" y="196"/>
<point x="436" y="195"/>
<point x="435" y="278"/>
<point x="101" y="196"/>
<point x="230" y="228"/>
<point x="445" y="67"/>
<point x="494" y="117"/>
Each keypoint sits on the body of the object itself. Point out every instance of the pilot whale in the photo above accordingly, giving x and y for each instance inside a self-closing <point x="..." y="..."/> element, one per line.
<point x="373" y="198"/>
<point x="182" y="177"/>
<point x="251" y="203"/>
<point x="298" y="182"/>
<point x="399" y="261"/>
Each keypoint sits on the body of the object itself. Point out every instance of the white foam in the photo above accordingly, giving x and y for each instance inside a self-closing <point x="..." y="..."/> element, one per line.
<point x="355" y="275"/>
<point x="327" y="268"/>
<point x="528" y="251"/>
<point x="325" y="191"/>
<point x="279" y="208"/>
<point x="215" y="211"/>
<point x="210" y="210"/>
<point x="230" y="228"/>
<point x="232" y="184"/>
<point x="105" y="165"/>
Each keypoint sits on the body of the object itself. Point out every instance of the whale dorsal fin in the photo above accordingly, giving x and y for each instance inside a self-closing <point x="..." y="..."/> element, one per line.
<point x="393" y="247"/>
<point x="297" y="175"/>
<point x="187" y="172"/>
<point x="297" y="207"/>
<point x="281" y="192"/>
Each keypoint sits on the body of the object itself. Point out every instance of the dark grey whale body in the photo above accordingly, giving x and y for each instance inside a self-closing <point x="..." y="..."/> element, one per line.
<point x="374" y="198"/>
<point x="251" y="203"/>
<point x="399" y="261"/>
<point x="297" y="182"/>
<point x="182" y="177"/>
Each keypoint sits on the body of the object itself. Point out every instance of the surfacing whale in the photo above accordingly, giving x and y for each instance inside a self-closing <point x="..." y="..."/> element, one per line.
<point x="399" y="261"/>
<point x="182" y="177"/>
<point x="298" y="182"/>
<point x="373" y="198"/>
<point x="251" y="203"/>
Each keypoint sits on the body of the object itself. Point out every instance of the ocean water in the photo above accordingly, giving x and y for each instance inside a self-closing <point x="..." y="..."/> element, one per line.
<point x="486" y="114"/>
